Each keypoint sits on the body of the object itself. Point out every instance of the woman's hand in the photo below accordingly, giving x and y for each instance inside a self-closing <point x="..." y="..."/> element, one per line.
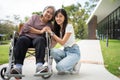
<point x="37" y="31"/>
<point x="48" y="29"/>
<point x="44" y="30"/>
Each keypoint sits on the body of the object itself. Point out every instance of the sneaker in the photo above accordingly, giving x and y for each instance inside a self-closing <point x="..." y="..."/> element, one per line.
<point x="16" y="71"/>
<point x="42" y="69"/>
<point x="76" y="68"/>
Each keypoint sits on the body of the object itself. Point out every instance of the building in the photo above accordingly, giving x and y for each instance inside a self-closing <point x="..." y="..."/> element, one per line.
<point x="105" y="20"/>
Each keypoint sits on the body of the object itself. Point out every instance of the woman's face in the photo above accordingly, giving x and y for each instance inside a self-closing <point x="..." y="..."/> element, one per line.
<point x="48" y="14"/>
<point x="59" y="18"/>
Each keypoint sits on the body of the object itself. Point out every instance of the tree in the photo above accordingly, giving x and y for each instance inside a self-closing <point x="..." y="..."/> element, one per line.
<point x="7" y="28"/>
<point x="90" y="5"/>
<point x="16" y="19"/>
<point x="39" y="13"/>
<point x="77" y="17"/>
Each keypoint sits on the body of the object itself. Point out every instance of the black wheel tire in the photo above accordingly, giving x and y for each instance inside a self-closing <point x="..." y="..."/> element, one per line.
<point x="46" y="76"/>
<point x="2" y="73"/>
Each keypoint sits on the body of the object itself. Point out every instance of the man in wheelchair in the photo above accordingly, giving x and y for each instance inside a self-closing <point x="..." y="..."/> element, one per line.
<point x="33" y="35"/>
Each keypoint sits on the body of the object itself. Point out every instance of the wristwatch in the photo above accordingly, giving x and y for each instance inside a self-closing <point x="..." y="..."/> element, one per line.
<point x="52" y="33"/>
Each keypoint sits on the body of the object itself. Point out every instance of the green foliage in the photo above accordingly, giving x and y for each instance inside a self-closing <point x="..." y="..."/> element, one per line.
<point x="7" y="28"/>
<point x="78" y="16"/>
<point x="111" y="55"/>
<point x="25" y="19"/>
<point x="39" y="13"/>
<point x="90" y="5"/>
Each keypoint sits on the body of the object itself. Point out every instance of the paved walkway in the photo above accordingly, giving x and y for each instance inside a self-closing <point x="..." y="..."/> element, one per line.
<point x="92" y="67"/>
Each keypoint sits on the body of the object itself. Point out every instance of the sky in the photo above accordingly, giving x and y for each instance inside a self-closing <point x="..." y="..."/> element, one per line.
<point x="25" y="8"/>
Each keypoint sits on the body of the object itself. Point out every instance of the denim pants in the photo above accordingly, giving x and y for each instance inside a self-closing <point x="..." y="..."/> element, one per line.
<point x="66" y="58"/>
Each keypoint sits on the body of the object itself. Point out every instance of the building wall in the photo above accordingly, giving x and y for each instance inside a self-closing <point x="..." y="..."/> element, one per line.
<point x="92" y="28"/>
<point x="110" y="25"/>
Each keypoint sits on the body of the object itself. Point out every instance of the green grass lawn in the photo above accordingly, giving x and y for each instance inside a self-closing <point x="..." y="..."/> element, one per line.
<point x="4" y="49"/>
<point x="111" y="55"/>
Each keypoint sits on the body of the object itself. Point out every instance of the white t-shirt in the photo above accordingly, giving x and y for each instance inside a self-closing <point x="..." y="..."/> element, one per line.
<point x="71" y="40"/>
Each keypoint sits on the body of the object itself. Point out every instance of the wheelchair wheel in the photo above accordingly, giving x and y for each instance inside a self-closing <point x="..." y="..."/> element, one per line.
<point x="2" y="73"/>
<point x="46" y="76"/>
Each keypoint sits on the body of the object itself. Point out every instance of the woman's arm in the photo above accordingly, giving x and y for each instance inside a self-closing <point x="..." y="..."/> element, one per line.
<point x="58" y="39"/>
<point x="28" y="24"/>
<point x="53" y="43"/>
<point x="63" y="40"/>
<point x="36" y="31"/>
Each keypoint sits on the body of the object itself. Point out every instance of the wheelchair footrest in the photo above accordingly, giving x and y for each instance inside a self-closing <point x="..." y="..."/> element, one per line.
<point x="15" y="75"/>
<point x="41" y="74"/>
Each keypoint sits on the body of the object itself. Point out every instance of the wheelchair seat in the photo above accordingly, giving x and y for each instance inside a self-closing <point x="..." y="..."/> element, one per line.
<point x="31" y="52"/>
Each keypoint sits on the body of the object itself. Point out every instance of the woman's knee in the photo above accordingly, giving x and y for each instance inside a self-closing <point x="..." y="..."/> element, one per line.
<point x="53" y="53"/>
<point x="23" y="40"/>
<point x="60" y="67"/>
<point x="39" y="41"/>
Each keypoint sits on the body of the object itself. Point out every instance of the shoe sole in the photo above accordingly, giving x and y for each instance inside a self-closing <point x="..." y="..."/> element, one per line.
<point x="15" y="73"/>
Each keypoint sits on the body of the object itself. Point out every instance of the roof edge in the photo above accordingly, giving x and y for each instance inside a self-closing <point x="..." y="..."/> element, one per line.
<point x="91" y="16"/>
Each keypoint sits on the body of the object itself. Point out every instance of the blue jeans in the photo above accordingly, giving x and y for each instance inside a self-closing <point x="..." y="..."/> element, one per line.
<point x="66" y="58"/>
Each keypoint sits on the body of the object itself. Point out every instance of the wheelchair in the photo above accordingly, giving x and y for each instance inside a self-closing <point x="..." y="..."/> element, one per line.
<point x="5" y="71"/>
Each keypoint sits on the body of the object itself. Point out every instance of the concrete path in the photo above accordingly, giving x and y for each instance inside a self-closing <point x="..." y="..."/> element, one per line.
<point x="92" y="67"/>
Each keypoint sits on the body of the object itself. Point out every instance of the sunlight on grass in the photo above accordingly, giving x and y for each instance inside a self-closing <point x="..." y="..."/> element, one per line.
<point x="4" y="49"/>
<point x="111" y="55"/>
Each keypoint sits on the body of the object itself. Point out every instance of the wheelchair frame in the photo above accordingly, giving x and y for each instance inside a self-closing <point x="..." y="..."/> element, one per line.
<point x="5" y="71"/>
